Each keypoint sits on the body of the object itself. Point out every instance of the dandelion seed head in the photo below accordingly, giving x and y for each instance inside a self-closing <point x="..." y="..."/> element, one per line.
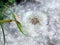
<point x="34" y="20"/>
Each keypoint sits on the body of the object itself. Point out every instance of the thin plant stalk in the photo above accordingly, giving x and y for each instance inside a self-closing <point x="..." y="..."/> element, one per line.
<point x="5" y="21"/>
<point x="3" y="33"/>
<point x="18" y="24"/>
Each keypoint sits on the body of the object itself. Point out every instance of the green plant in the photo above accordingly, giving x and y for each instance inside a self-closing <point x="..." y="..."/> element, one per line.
<point x="4" y="4"/>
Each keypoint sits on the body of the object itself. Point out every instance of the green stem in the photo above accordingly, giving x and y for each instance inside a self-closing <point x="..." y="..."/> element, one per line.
<point x="3" y="33"/>
<point x="5" y="21"/>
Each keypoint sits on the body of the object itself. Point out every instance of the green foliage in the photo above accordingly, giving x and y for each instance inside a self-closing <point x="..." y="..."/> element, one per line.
<point x="1" y="4"/>
<point x="4" y="4"/>
<point x="1" y="17"/>
<point x="11" y="1"/>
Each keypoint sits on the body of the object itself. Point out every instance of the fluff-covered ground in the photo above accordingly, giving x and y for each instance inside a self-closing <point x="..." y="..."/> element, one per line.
<point x="41" y="19"/>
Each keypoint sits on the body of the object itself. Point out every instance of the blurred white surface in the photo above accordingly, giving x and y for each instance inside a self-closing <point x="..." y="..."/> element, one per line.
<point x="48" y="33"/>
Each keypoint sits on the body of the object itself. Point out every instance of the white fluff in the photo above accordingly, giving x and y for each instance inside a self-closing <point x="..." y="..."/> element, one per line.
<point x="31" y="28"/>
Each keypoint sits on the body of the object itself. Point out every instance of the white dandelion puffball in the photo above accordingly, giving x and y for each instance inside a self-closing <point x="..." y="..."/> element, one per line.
<point x="34" y="20"/>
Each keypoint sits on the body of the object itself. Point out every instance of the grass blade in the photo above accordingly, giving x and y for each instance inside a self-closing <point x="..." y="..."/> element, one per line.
<point x="18" y="24"/>
<point x="3" y="33"/>
<point x="20" y="27"/>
